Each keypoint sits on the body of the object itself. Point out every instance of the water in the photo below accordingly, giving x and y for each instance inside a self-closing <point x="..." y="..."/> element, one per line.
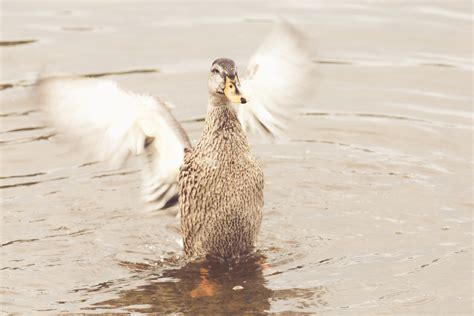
<point x="368" y="203"/>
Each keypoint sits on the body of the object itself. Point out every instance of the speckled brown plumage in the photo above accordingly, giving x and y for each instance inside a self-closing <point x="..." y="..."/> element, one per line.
<point x="220" y="189"/>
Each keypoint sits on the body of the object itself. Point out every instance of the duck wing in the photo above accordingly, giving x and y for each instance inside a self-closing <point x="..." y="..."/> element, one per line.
<point x="279" y="76"/>
<point x="115" y="124"/>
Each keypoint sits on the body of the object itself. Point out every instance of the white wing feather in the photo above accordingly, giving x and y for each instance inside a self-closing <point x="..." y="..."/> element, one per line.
<point x="280" y="74"/>
<point x="114" y="124"/>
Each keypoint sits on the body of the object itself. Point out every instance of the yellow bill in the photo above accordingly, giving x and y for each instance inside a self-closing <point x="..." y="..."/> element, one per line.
<point x="232" y="92"/>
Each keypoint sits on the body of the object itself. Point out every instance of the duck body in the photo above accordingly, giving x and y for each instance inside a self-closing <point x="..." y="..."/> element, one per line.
<point x="220" y="189"/>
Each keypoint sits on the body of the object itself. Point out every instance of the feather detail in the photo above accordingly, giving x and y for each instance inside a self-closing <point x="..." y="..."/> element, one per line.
<point x="280" y="74"/>
<point x="114" y="124"/>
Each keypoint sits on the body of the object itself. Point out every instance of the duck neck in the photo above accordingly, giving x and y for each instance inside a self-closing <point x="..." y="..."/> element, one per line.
<point x="223" y="131"/>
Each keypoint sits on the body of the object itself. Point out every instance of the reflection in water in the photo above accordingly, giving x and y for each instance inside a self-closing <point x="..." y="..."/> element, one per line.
<point x="207" y="288"/>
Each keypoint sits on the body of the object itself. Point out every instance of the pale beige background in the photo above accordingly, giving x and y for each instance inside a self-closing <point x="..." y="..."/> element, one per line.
<point x="368" y="204"/>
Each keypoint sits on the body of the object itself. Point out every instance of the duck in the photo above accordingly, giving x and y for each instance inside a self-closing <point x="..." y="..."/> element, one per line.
<point x="218" y="184"/>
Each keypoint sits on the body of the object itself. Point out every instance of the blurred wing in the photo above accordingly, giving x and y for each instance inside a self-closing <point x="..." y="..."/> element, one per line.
<point x="115" y="124"/>
<point x="279" y="76"/>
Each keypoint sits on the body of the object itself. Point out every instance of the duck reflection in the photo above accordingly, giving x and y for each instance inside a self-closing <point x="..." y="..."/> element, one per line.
<point x="208" y="287"/>
<point x="200" y="287"/>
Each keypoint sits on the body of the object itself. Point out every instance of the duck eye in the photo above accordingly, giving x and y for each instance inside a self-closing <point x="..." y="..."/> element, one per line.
<point x="215" y="71"/>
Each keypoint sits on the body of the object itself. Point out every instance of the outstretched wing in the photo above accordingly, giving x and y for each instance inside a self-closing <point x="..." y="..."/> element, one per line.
<point x="280" y="74"/>
<point x="115" y="124"/>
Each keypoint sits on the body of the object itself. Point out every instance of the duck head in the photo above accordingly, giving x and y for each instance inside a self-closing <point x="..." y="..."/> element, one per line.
<point x="224" y="83"/>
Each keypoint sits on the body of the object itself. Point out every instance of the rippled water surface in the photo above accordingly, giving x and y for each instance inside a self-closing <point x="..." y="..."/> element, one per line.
<point x="368" y="203"/>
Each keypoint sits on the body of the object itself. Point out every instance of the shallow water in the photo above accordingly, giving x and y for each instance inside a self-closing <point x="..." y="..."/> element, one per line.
<point x="368" y="203"/>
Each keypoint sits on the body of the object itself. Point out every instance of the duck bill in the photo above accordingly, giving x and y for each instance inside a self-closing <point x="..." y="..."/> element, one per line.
<point x="232" y="92"/>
